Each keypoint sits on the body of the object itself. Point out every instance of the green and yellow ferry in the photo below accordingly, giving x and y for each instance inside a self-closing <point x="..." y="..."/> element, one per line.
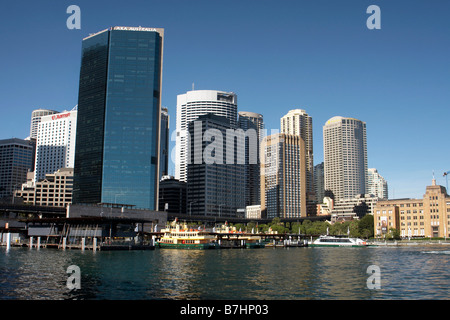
<point x="181" y="237"/>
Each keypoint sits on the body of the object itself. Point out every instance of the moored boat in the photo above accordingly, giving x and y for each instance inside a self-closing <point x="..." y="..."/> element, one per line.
<point x="332" y="241"/>
<point x="181" y="237"/>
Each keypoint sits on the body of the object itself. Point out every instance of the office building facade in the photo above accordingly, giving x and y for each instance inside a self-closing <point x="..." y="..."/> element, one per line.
<point x="172" y="195"/>
<point x="53" y="191"/>
<point x="283" y="179"/>
<point x="118" y="127"/>
<point x="190" y="106"/>
<point x="253" y="125"/>
<point x="319" y="182"/>
<point x="415" y="218"/>
<point x="164" y="141"/>
<point x="215" y="184"/>
<point x="55" y="143"/>
<point x="345" y="157"/>
<point x="298" y="122"/>
<point x="16" y="161"/>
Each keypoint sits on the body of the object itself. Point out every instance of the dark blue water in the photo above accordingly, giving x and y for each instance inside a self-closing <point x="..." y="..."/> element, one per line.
<point x="408" y="272"/>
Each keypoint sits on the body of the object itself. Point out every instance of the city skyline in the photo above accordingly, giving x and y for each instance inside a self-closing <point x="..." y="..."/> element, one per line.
<point x="318" y="57"/>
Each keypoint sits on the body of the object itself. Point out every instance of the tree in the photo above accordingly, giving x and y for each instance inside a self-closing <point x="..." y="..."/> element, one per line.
<point x="366" y="225"/>
<point x="393" y="234"/>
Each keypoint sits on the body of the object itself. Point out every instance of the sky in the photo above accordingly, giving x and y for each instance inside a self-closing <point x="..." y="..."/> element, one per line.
<point x="318" y="55"/>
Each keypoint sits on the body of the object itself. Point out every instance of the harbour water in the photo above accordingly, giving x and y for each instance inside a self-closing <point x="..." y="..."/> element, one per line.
<point x="406" y="272"/>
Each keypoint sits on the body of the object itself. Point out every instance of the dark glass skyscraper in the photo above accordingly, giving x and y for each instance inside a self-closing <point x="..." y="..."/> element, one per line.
<point x="16" y="160"/>
<point x="118" y="128"/>
<point x="215" y="184"/>
<point x="252" y="122"/>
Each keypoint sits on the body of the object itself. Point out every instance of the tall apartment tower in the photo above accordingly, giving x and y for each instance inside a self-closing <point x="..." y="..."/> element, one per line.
<point x="298" y="122"/>
<point x="253" y="125"/>
<point x="214" y="177"/>
<point x="190" y="106"/>
<point x="345" y="157"/>
<point x="377" y="185"/>
<point x="36" y="116"/>
<point x="119" y="118"/>
<point x="283" y="179"/>
<point x="55" y="143"/>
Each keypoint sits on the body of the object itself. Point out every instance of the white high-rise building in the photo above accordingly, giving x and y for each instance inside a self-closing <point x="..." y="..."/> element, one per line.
<point x="298" y="122"/>
<point x="377" y="185"/>
<point x="36" y="116"/>
<point x="190" y="106"/>
<point x="55" y="143"/>
<point x="345" y="157"/>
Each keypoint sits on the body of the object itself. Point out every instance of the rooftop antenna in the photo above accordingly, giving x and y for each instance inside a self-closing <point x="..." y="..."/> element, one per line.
<point x="193" y="85"/>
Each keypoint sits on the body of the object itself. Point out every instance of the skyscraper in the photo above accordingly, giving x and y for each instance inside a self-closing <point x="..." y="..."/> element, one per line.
<point x="164" y="148"/>
<point x="283" y="179"/>
<point x="55" y="143"/>
<point x="345" y="157"/>
<point x="119" y="107"/>
<point x="16" y="160"/>
<point x="252" y="124"/>
<point x="190" y="106"/>
<point x="319" y="184"/>
<point x="377" y="185"/>
<point x="214" y="177"/>
<point x="298" y="122"/>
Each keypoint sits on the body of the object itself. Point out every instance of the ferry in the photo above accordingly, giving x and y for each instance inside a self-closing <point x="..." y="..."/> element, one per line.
<point x="331" y="241"/>
<point x="181" y="237"/>
<point x="237" y="239"/>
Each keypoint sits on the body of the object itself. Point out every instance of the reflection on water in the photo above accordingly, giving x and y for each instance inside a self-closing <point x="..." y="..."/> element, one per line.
<point x="295" y="273"/>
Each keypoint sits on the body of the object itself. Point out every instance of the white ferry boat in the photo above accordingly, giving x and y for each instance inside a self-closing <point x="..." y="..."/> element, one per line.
<point x="331" y="241"/>
<point x="181" y="237"/>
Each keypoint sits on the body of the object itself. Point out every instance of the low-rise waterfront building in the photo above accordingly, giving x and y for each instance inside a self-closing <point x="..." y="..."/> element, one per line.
<point x="426" y="217"/>
<point x="54" y="191"/>
<point x="353" y="208"/>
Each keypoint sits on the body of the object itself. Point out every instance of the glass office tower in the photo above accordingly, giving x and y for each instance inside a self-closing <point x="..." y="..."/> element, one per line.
<point x="119" y="103"/>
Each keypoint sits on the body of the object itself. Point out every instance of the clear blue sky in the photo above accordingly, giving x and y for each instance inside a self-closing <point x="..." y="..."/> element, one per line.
<point x="276" y="55"/>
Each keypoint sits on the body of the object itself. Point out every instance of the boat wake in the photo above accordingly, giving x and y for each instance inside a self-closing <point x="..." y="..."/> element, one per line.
<point x="437" y="252"/>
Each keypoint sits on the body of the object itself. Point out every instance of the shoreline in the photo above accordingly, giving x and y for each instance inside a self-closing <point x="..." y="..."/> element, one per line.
<point x="410" y="243"/>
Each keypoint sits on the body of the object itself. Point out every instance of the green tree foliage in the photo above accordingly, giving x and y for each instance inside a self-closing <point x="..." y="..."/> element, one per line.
<point x="362" y="228"/>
